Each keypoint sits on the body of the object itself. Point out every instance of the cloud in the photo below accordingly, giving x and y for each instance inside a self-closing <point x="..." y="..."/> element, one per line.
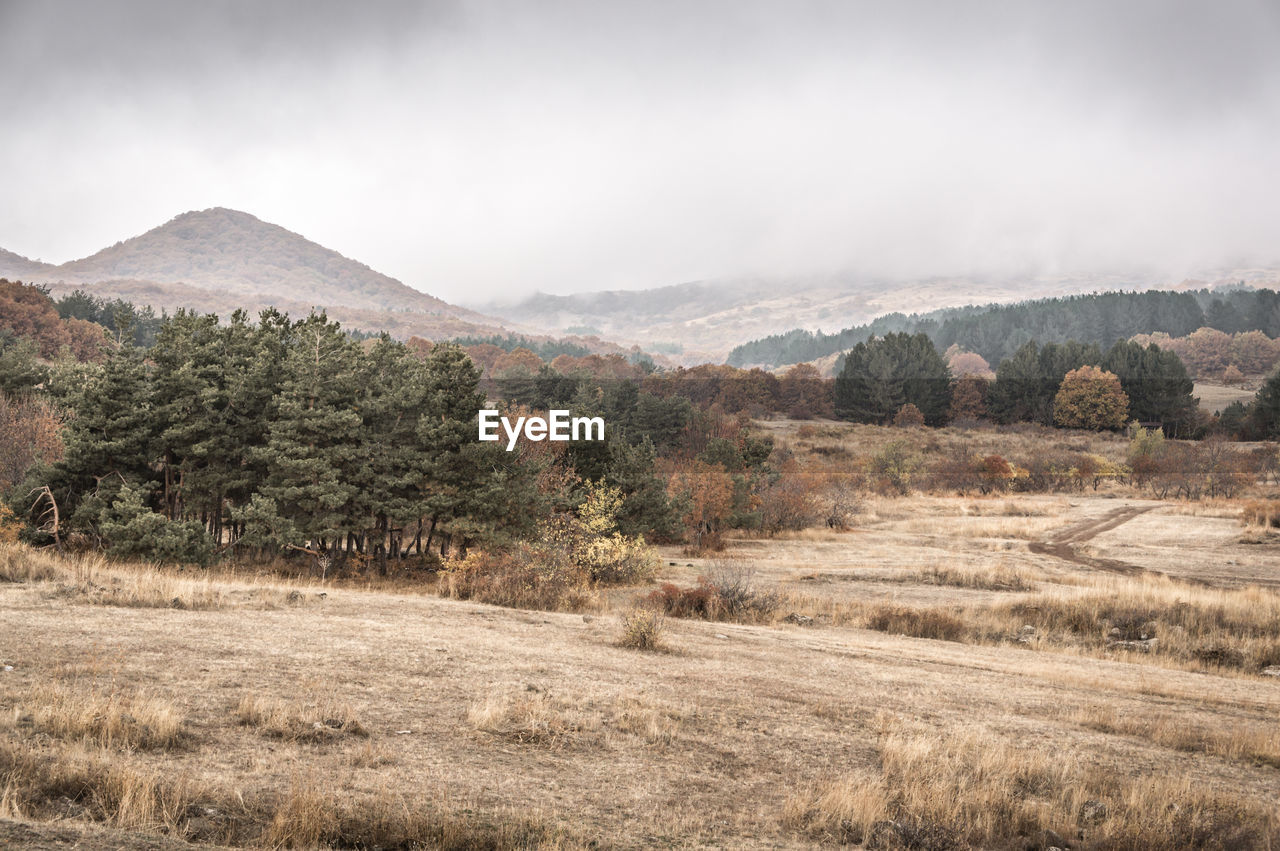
<point x="482" y="149"/>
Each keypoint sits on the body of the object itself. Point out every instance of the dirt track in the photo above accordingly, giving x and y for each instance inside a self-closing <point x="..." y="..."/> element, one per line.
<point x="1063" y="544"/>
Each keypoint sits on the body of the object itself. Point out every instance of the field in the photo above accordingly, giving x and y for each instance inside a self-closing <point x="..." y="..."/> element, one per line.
<point x="246" y="710"/>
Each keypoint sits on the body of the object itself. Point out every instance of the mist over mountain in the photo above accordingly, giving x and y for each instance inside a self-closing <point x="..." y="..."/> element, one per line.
<point x="15" y="265"/>
<point x="702" y="321"/>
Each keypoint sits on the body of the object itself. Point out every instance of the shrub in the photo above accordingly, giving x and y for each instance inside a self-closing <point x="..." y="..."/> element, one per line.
<point x="698" y="601"/>
<point x="1261" y="512"/>
<point x="908" y="416"/>
<point x="739" y="597"/>
<point x="994" y="474"/>
<point x="134" y="531"/>
<point x="893" y="469"/>
<point x="642" y="629"/>
<point x="727" y="593"/>
<point x="518" y="580"/>
<point x="788" y="504"/>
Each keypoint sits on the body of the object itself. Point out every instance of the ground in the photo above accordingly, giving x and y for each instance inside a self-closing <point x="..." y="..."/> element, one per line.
<point x="519" y="715"/>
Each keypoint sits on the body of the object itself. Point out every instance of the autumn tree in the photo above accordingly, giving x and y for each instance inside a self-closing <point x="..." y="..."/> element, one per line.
<point x="704" y="493"/>
<point x="29" y="435"/>
<point x="1090" y="398"/>
<point x="804" y="393"/>
<point x="968" y="399"/>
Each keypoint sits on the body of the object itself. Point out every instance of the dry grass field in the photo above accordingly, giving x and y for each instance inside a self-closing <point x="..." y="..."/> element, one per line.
<point x="949" y="673"/>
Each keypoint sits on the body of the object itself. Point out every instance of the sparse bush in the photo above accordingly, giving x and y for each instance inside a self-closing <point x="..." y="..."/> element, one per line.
<point x="1261" y="512"/>
<point x="738" y="595"/>
<point x="908" y="416"/>
<point x="294" y="721"/>
<point x="515" y="579"/>
<point x="642" y="629"/>
<point x="893" y="469"/>
<point x="727" y="592"/>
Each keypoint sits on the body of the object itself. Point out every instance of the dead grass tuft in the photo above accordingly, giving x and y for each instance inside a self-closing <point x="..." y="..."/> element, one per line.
<point x="83" y="785"/>
<point x="957" y="788"/>
<point x="105" y="719"/>
<point x="1238" y="742"/>
<point x="92" y="579"/>
<point x="919" y="623"/>
<point x="535" y="718"/>
<point x="299" y="720"/>
<point x="1261" y="512"/>
<point x="1001" y="578"/>
<point x="87" y="785"/>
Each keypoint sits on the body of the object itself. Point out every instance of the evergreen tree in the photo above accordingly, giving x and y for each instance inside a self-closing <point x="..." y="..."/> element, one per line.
<point x="108" y="441"/>
<point x="312" y="452"/>
<point x="20" y="367"/>
<point x="1027" y="383"/>
<point x="1156" y="383"/>
<point x="885" y="373"/>
<point x="1264" y="413"/>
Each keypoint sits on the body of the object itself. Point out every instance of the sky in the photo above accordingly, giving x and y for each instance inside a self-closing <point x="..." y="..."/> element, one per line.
<point x="486" y="150"/>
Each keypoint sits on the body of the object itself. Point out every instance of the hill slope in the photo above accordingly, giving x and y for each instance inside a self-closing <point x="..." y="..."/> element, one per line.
<point x="15" y="266"/>
<point x="218" y="260"/>
<point x="704" y="321"/>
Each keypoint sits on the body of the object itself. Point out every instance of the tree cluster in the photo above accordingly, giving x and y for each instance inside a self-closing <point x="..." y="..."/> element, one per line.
<point x="997" y="331"/>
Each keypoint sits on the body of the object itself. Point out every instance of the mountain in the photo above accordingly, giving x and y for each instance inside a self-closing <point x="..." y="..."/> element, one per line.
<point x="703" y="321"/>
<point x="218" y="260"/>
<point x="16" y="266"/>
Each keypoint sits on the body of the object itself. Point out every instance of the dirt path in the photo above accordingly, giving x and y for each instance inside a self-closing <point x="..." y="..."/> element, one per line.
<point x="1064" y="542"/>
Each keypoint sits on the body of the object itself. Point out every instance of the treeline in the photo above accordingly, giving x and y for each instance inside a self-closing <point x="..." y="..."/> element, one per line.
<point x="1209" y="352"/>
<point x="544" y="349"/>
<point x="281" y="436"/>
<point x="997" y="331"/>
<point x="117" y="316"/>
<point x="902" y="378"/>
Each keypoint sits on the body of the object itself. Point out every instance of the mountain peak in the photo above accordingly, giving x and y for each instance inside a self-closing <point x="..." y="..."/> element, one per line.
<point x="236" y="253"/>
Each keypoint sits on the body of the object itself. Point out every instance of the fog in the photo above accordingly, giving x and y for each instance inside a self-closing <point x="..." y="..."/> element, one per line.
<point x="484" y="150"/>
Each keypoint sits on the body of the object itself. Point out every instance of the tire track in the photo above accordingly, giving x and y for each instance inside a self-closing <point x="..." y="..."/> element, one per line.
<point x="1064" y="542"/>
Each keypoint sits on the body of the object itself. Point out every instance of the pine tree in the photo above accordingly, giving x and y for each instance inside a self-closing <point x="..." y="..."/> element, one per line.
<point x="1264" y="414"/>
<point x="885" y="373"/>
<point x="108" y="441"/>
<point x="312" y="452"/>
<point x="1156" y="383"/>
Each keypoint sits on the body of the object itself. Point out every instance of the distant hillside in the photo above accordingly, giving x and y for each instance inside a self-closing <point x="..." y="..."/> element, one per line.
<point x="218" y="260"/>
<point x="997" y="331"/>
<point x="14" y="266"/>
<point x="703" y="321"/>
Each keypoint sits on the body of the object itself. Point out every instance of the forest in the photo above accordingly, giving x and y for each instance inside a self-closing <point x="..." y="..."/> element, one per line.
<point x="997" y="331"/>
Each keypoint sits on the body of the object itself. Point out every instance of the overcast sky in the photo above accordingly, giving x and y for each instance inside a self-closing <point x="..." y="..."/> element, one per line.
<point x="477" y="150"/>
